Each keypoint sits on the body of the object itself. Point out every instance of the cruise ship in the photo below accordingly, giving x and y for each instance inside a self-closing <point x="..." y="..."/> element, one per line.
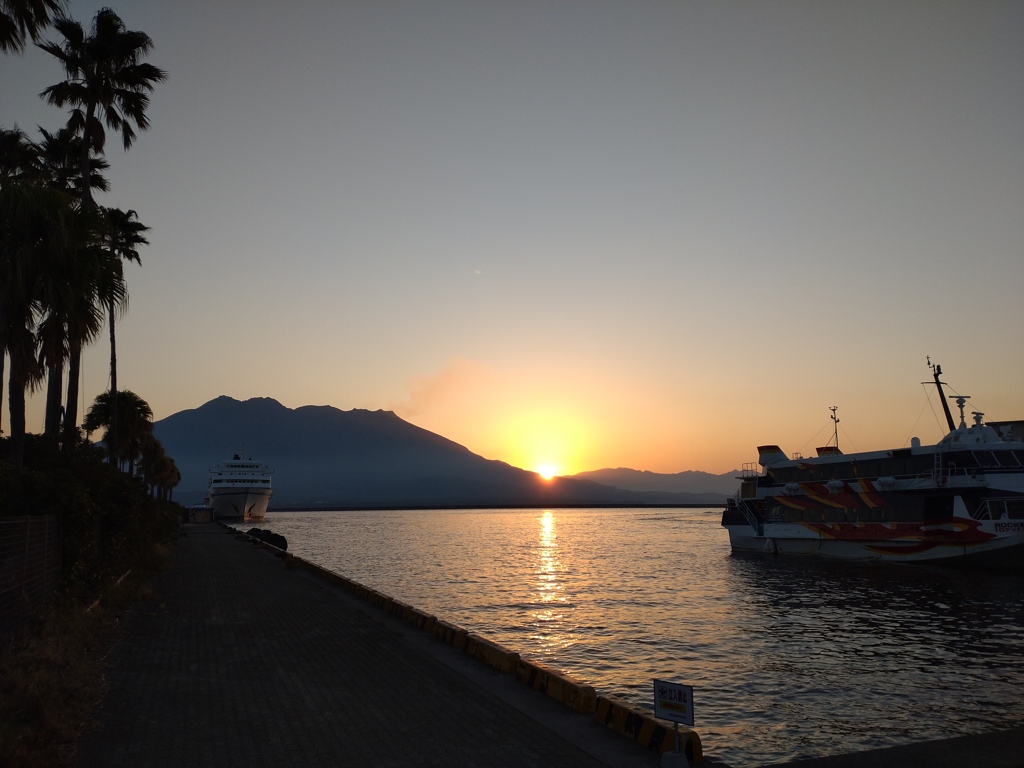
<point x="239" y="489"/>
<point x="960" y="500"/>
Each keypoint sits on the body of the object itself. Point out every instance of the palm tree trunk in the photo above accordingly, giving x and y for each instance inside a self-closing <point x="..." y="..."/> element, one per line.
<point x="3" y="351"/>
<point x="83" y="169"/>
<point x="16" y="387"/>
<point x="53" y="385"/>
<point x="113" y="389"/>
<point x="71" y="401"/>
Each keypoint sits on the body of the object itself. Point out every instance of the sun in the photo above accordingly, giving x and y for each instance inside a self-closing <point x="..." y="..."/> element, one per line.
<point x="547" y="471"/>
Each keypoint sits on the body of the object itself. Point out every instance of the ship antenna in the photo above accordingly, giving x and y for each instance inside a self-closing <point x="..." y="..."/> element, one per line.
<point x="835" y="425"/>
<point x="936" y="373"/>
<point x="961" y="400"/>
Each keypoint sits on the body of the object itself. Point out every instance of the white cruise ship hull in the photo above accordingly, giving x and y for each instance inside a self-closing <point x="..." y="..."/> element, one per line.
<point x="239" y="489"/>
<point x="239" y="503"/>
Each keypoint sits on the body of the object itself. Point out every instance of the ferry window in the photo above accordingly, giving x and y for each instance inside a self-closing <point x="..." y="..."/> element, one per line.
<point x="920" y="464"/>
<point x="872" y="468"/>
<point x="1007" y="459"/>
<point x="1015" y="509"/>
<point x="986" y="459"/>
<point x="841" y="471"/>
<point x="968" y="460"/>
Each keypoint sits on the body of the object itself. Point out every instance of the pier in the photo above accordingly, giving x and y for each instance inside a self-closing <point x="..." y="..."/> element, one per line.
<point x="243" y="661"/>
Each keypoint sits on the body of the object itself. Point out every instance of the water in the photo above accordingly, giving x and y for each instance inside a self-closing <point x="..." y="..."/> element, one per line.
<point x="789" y="658"/>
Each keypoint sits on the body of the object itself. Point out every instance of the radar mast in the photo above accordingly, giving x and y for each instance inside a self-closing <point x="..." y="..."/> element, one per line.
<point x="936" y="373"/>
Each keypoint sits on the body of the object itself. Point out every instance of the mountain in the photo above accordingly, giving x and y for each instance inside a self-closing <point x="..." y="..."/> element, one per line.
<point x="711" y="488"/>
<point x="326" y="458"/>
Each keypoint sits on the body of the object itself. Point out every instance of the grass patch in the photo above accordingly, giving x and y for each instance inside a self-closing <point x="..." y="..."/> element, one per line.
<point x="51" y="674"/>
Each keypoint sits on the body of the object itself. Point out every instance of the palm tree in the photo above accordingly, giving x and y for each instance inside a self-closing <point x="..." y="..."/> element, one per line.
<point x="134" y="424"/>
<point x="19" y="157"/>
<point x="57" y="166"/>
<point x="40" y="232"/>
<point x="158" y="469"/>
<point x="22" y="19"/>
<point x="107" y="84"/>
<point x="54" y="163"/>
<point x="74" y="315"/>
<point x="122" y="234"/>
<point x="59" y="163"/>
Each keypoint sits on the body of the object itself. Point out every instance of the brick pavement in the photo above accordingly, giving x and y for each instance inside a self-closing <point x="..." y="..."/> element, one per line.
<point x="243" y="662"/>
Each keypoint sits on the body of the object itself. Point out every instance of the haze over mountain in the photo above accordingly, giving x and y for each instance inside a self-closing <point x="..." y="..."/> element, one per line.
<point x="690" y="481"/>
<point x="326" y="458"/>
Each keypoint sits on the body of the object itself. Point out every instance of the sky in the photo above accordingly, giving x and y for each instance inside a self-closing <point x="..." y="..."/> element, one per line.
<point x="575" y="233"/>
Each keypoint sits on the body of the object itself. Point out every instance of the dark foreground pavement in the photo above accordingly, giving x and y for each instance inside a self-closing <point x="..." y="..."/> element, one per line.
<point x="243" y="662"/>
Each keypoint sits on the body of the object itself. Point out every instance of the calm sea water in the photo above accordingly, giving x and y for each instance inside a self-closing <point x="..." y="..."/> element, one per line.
<point x="789" y="658"/>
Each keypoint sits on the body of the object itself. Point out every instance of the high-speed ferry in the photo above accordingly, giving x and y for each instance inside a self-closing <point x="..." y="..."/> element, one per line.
<point x="961" y="499"/>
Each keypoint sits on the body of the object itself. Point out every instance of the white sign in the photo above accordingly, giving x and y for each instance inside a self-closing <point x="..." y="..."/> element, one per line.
<point x="673" y="701"/>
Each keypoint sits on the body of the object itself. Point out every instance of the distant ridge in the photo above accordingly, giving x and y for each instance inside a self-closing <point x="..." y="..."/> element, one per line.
<point x="326" y="458"/>
<point x="714" y="487"/>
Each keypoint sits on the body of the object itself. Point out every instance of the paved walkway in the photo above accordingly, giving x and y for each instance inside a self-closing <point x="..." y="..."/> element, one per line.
<point x="243" y="662"/>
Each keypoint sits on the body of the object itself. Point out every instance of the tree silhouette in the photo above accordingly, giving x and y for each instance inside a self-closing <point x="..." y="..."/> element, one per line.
<point x="121" y="236"/>
<point x="134" y="424"/>
<point x="107" y="84"/>
<point x="41" y="232"/>
<point x="21" y="20"/>
<point x="56" y="164"/>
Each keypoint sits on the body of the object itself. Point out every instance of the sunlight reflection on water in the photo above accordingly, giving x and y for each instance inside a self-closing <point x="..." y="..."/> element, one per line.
<point x="789" y="658"/>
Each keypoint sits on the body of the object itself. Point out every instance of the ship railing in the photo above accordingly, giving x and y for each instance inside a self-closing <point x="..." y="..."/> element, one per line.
<point x="946" y="466"/>
<point x="943" y="470"/>
<point x="750" y="512"/>
<point x="749" y="469"/>
<point x="1008" y="508"/>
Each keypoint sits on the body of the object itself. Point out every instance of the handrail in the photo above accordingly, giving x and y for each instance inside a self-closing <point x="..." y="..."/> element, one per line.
<point x="750" y="513"/>
<point x="998" y="508"/>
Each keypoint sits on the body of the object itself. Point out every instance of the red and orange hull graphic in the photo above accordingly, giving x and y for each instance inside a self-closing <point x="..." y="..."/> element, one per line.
<point x="905" y="538"/>
<point x="895" y="538"/>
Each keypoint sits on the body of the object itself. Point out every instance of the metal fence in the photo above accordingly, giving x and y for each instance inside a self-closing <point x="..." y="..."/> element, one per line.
<point x="30" y="561"/>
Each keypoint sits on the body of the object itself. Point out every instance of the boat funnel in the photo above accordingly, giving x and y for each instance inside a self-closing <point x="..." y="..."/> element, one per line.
<point x="770" y="454"/>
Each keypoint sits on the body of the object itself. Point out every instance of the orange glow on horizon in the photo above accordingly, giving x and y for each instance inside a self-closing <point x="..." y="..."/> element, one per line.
<point x="546" y="441"/>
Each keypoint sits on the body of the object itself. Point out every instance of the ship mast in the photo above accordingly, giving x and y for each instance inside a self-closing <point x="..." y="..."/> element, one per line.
<point x="835" y="425"/>
<point x="936" y="372"/>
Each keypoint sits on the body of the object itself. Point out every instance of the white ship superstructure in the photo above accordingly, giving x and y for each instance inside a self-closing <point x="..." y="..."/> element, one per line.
<point x="239" y="488"/>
